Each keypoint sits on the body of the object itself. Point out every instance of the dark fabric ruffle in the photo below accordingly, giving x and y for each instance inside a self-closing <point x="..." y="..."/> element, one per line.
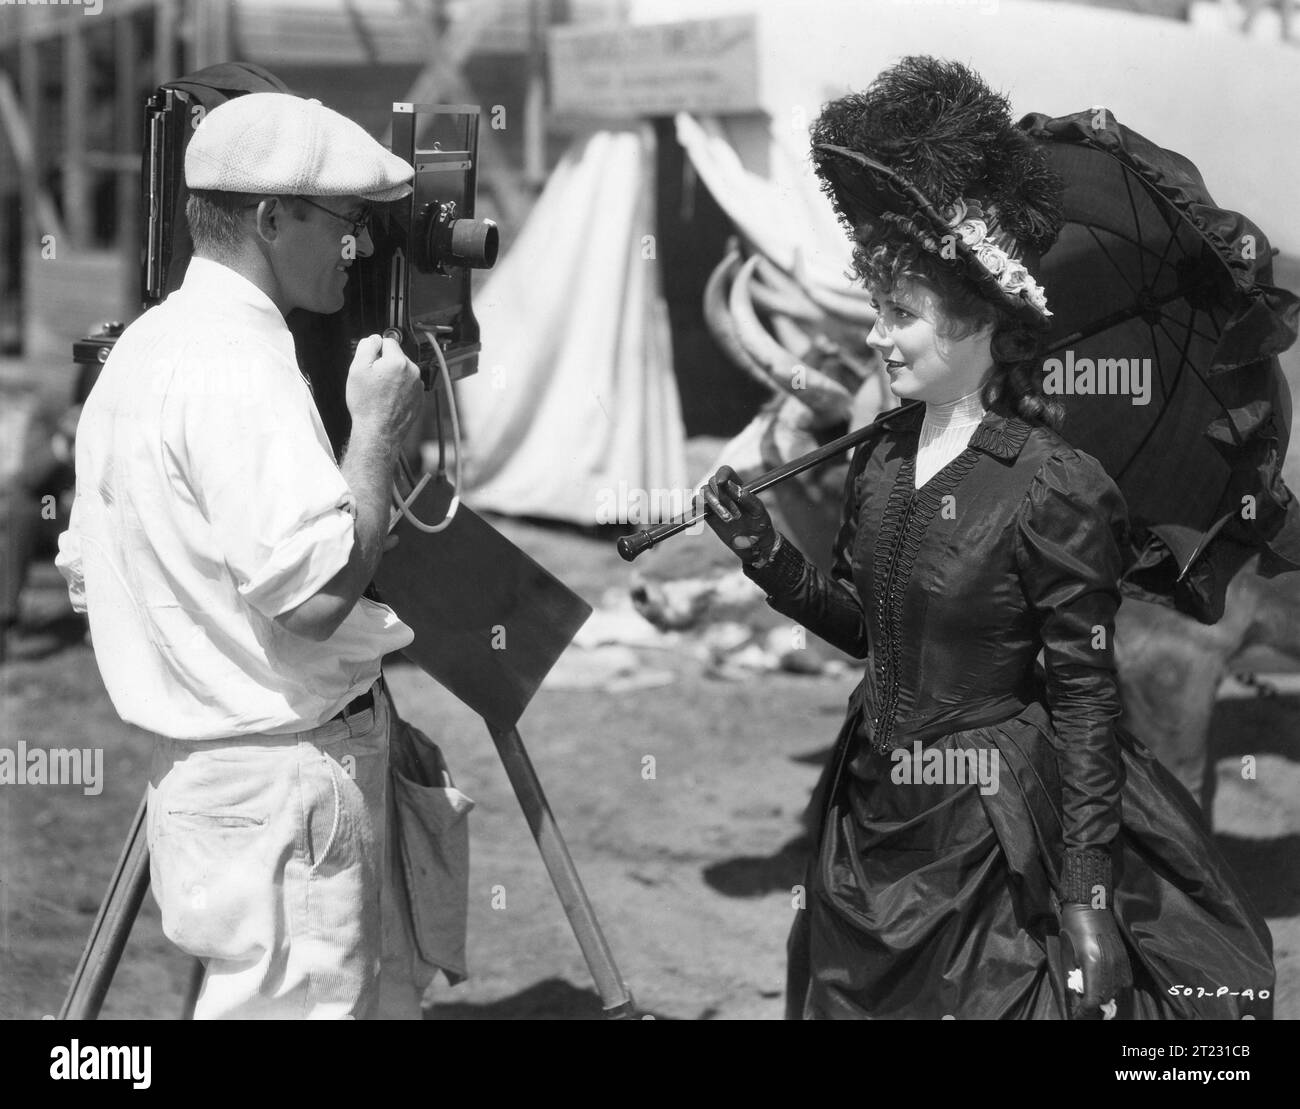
<point x="1176" y="562"/>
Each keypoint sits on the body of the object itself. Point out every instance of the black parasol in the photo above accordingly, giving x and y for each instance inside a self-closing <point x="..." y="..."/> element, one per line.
<point x="1193" y="423"/>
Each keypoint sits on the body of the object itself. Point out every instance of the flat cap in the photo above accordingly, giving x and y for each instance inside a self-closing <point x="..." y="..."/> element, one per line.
<point x="274" y="143"/>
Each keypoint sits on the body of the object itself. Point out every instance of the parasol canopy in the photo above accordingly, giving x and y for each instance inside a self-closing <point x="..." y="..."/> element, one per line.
<point x="1163" y="350"/>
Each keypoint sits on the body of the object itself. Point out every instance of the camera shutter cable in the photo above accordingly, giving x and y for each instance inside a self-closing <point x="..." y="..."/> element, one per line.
<point x="404" y="506"/>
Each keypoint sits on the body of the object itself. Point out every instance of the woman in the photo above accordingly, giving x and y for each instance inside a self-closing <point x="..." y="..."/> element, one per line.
<point x="983" y="827"/>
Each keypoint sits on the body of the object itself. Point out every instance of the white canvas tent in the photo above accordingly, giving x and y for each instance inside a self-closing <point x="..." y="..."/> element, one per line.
<point x="575" y="407"/>
<point x="575" y="391"/>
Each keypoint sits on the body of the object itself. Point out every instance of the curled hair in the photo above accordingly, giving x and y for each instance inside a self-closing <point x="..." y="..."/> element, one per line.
<point x="886" y="255"/>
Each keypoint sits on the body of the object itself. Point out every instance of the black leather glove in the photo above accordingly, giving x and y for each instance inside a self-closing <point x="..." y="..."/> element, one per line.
<point x="1091" y="941"/>
<point x="739" y="519"/>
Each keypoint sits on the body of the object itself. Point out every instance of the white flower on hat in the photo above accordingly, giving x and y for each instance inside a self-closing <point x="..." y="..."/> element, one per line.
<point x="972" y="231"/>
<point x="965" y="218"/>
<point x="1014" y="278"/>
<point x="992" y="257"/>
<point x="1033" y="292"/>
<point x="955" y="212"/>
<point x="276" y="144"/>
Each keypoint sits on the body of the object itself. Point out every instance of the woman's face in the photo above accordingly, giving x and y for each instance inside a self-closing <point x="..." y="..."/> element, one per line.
<point x="923" y="360"/>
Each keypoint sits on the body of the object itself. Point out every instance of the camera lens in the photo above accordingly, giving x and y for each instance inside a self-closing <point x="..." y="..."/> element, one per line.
<point x="474" y="243"/>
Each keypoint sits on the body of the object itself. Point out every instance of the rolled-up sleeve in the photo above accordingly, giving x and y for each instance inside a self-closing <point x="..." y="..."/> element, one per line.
<point x="1068" y="553"/>
<point x="261" y="472"/>
<point x="68" y="561"/>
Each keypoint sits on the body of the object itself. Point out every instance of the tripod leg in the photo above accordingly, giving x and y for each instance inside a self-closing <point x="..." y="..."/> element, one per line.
<point x="112" y="927"/>
<point x="614" y="995"/>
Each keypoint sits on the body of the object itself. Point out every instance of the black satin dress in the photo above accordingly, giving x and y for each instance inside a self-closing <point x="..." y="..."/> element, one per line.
<point x="933" y="899"/>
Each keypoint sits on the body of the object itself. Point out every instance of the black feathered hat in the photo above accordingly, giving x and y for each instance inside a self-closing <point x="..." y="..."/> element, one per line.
<point x="931" y="149"/>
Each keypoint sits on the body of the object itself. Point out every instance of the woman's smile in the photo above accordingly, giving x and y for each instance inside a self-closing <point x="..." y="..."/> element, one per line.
<point x="923" y="356"/>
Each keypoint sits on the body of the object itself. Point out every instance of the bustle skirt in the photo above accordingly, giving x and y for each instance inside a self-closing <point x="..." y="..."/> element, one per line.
<point x="932" y="901"/>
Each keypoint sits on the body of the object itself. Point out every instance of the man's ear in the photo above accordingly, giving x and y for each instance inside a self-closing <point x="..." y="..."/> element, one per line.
<point x="270" y="212"/>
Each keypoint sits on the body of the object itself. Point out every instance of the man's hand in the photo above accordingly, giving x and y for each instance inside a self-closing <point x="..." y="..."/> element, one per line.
<point x="1093" y="944"/>
<point x="739" y="519"/>
<point x="384" y="390"/>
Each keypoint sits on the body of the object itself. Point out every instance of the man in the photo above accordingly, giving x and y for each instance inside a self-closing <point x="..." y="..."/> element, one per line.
<point x="221" y="555"/>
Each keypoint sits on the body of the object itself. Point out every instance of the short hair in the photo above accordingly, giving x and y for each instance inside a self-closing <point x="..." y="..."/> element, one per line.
<point x="885" y="255"/>
<point x="214" y="218"/>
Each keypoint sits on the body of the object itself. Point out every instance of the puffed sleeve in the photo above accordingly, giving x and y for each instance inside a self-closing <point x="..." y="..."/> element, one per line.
<point x="827" y="607"/>
<point x="1068" y="538"/>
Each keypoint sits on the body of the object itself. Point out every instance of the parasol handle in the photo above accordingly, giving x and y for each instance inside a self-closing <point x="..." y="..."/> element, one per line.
<point x="631" y="546"/>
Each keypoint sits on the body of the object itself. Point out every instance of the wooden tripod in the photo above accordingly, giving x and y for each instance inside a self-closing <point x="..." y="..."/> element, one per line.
<point x="456" y="641"/>
<point x="130" y="881"/>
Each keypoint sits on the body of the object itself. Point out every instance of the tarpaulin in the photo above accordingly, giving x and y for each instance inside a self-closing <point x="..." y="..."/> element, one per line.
<point x="574" y="412"/>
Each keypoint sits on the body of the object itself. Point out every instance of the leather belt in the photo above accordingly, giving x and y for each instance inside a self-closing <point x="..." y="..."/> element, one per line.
<point x="356" y="705"/>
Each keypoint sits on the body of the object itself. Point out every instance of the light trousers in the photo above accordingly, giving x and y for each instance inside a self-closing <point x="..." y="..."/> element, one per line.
<point x="270" y="861"/>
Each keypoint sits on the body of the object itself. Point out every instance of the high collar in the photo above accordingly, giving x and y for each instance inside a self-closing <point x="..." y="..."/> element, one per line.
<point x="961" y="412"/>
<point x="999" y="433"/>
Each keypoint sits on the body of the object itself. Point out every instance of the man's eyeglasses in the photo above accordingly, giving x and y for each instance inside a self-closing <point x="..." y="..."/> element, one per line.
<point x="357" y="224"/>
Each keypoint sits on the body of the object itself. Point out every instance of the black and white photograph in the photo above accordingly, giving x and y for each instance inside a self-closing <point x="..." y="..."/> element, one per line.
<point x="675" y="510"/>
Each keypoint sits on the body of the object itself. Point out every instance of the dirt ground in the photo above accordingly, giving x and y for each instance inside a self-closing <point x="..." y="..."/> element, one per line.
<point x="690" y="871"/>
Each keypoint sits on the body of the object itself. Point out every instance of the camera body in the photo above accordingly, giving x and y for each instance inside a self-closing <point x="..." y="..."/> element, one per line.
<point x="416" y="283"/>
<point x="418" y="279"/>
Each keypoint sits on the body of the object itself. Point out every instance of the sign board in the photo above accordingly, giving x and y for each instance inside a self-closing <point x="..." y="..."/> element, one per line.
<point x="707" y="66"/>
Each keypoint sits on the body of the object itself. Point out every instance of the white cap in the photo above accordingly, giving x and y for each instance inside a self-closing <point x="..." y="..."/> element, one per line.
<point x="274" y="143"/>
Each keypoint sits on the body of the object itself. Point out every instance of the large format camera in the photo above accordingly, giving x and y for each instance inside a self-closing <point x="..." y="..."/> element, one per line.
<point x="417" y="282"/>
<point x="418" y="279"/>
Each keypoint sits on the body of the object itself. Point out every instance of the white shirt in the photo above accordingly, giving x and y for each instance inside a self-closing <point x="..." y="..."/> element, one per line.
<point x="208" y="503"/>
<point x="945" y="431"/>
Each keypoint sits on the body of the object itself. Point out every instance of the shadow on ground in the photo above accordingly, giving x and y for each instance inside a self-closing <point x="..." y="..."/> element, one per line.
<point x="1268" y="869"/>
<point x="552" y="999"/>
<point x="758" y="875"/>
